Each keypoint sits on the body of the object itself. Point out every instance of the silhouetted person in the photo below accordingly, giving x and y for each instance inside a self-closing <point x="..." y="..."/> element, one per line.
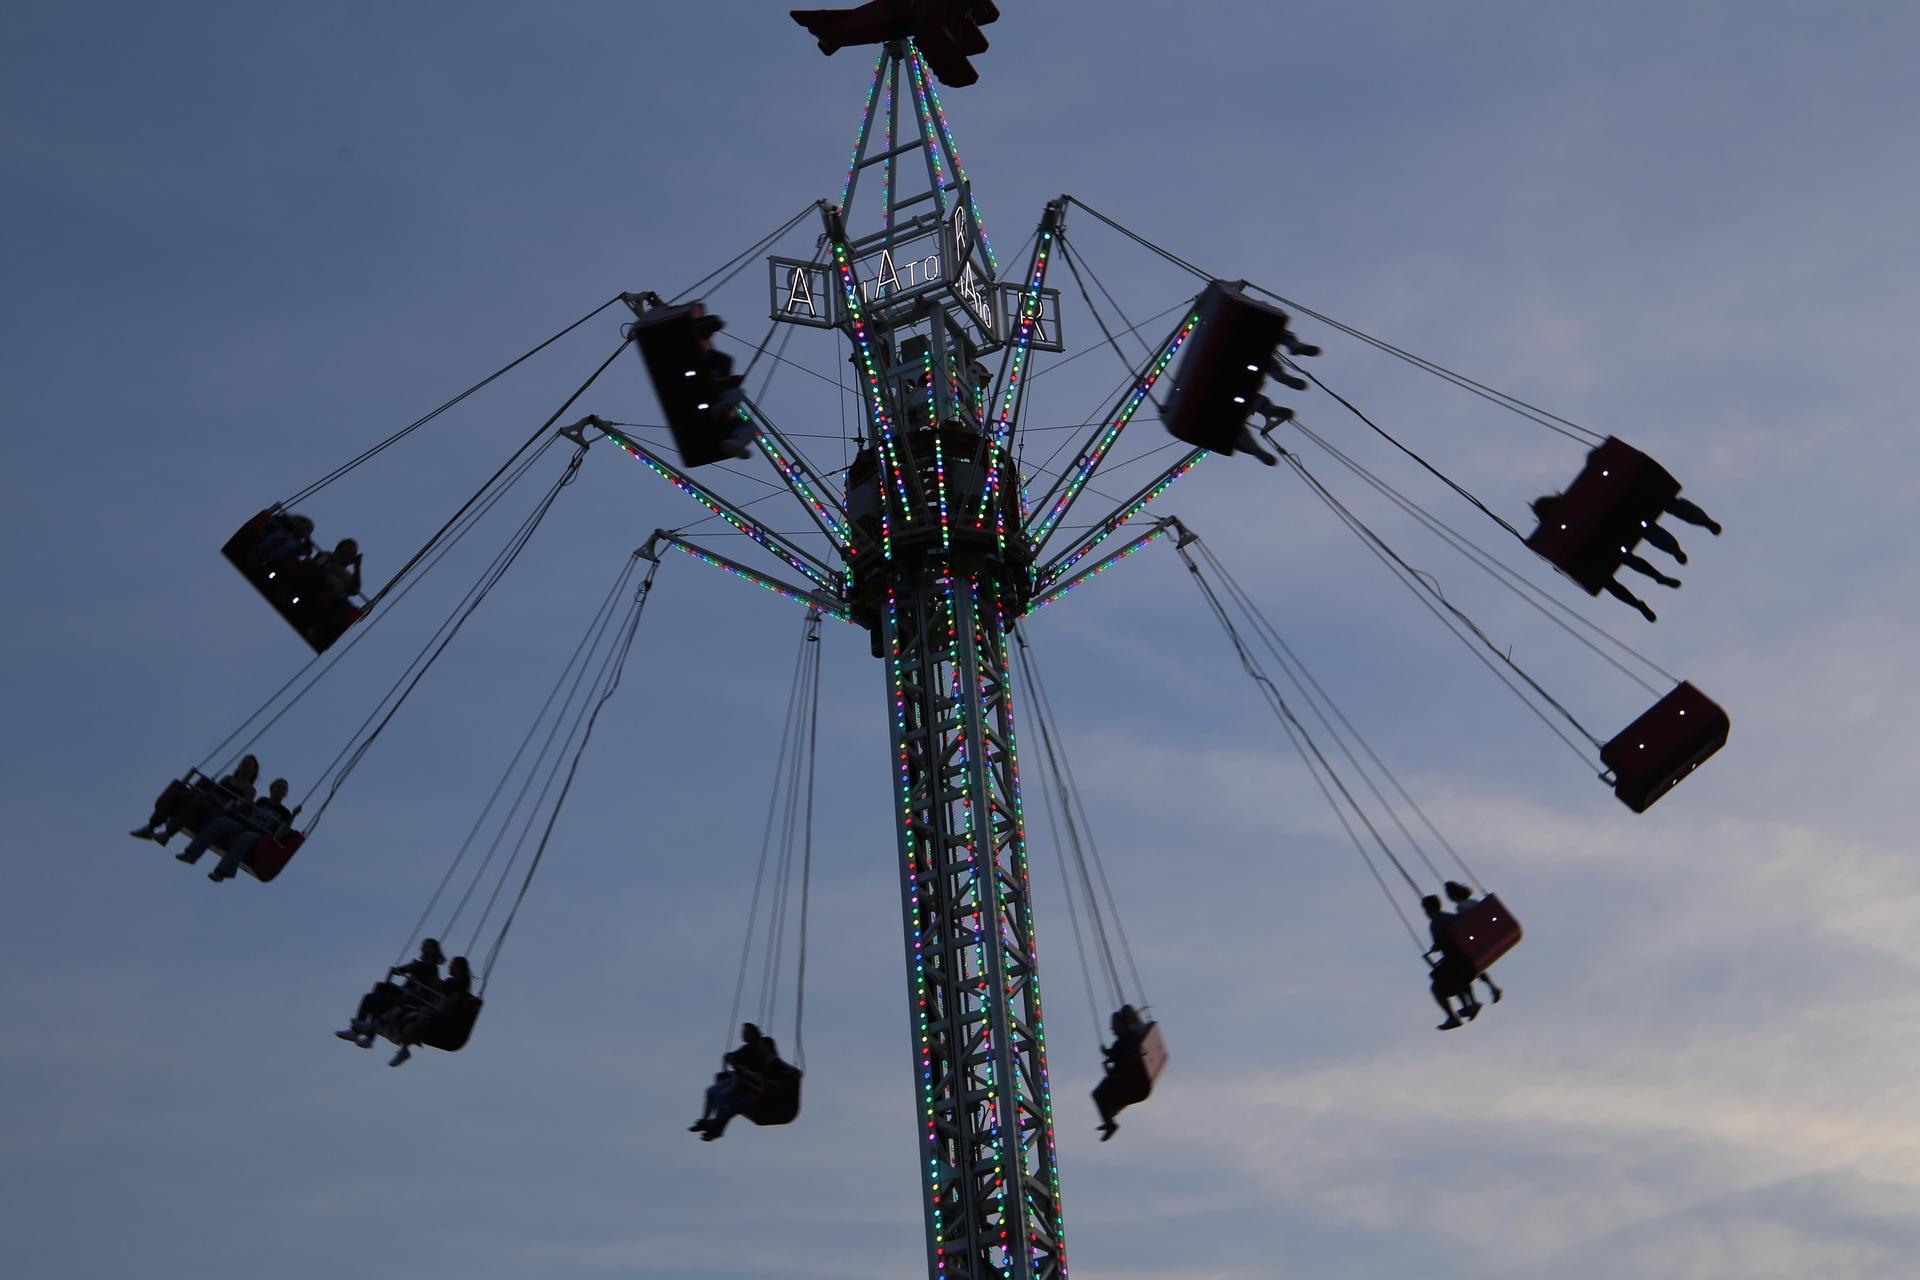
<point x="1129" y="1029"/>
<point x="1452" y="977"/>
<point x="194" y="807"/>
<point x="429" y="1010"/>
<point x="239" y="829"/>
<point x="1463" y="899"/>
<point x="744" y="1076"/>
<point x="418" y="977"/>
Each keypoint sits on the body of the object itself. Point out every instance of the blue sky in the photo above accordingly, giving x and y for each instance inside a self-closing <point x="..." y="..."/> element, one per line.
<point x="242" y="242"/>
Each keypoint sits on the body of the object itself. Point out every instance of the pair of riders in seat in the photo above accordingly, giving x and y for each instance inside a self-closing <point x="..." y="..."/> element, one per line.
<point x="419" y="1008"/>
<point x="223" y="814"/>
<point x="1453" y="973"/>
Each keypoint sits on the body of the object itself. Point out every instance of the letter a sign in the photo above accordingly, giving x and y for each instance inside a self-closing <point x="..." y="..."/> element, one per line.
<point x="800" y="293"/>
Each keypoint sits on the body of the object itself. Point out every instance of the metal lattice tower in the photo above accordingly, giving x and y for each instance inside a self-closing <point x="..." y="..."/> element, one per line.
<point x="939" y="554"/>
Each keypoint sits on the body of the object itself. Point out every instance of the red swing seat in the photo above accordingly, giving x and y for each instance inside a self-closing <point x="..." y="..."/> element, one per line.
<point x="270" y="853"/>
<point x="1484" y="932"/>
<point x="1649" y="757"/>
<point x="1604" y="513"/>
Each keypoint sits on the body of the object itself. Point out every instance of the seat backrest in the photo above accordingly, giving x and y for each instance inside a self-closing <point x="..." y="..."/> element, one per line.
<point x="1597" y="521"/>
<point x="1484" y="932"/>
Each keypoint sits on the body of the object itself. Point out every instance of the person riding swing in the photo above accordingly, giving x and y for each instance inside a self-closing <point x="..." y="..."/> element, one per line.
<point x="751" y="1074"/>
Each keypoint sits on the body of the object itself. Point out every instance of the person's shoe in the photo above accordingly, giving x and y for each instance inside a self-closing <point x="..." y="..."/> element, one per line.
<point x="1668" y="582"/>
<point x="1648" y="614"/>
<point x="188" y="858"/>
<point x="1450" y="1024"/>
<point x="1108" y="1129"/>
<point x="698" y="1126"/>
<point x="1713" y="527"/>
<point x="365" y="1040"/>
<point x="400" y="1057"/>
<point x="1679" y="557"/>
<point x="162" y="838"/>
<point x="1472" y="1011"/>
<point x="1496" y="995"/>
<point x="349" y="1035"/>
<point x="709" y="1135"/>
<point x="143" y="833"/>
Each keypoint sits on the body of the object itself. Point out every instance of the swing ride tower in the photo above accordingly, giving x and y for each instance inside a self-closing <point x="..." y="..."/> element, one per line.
<point x="935" y="547"/>
<point x="941" y="567"/>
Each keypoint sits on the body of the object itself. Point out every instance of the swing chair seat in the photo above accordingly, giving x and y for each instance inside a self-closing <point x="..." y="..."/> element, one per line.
<point x="775" y="1096"/>
<point x="278" y="563"/>
<point x="1603" y="514"/>
<point x="1484" y="932"/>
<point x="437" y="1022"/>
<point x="1131" y="1080"/>
<point x="270" y="853"/>
<point x="1669" y="741"/>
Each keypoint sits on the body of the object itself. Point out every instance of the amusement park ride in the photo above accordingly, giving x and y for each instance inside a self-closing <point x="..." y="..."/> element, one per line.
<point x="936" y="546"/>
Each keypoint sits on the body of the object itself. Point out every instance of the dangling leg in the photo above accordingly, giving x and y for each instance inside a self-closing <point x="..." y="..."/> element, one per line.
<point x="1625" y="596"/>
<point x="1638" y="565"/>
<point x="1681" y="509"/>
<point x="1658" y="537"/>
<point x="238" y="847"/>
<point x="1491" y="987"/>
<point x="1446" y="1007"/>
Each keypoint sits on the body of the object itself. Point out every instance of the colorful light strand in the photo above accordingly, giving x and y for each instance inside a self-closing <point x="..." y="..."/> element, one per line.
<point x="821" y="576"/>
<point x="946" y="133"/>
<point x="1048" y="596"/>
<point x="745" y="574"/>
<point x="1029" y="936"/>
<point x="1113" y="522"/>
<point x="1090" y="461"/>
<point x="861" y="134"/>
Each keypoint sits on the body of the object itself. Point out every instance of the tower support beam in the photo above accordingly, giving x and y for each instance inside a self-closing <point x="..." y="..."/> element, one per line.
<point x="987" y="1154"/>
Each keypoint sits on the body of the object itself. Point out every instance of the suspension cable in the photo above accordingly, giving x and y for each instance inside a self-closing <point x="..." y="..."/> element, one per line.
<point x="1427" y="591"/>
<point x="1063" y="800"/>
<point x="1513" y="404"/>
<point x="531" y="440"/>
<point x="1311" y="689"/>
<point x="1055" y="743"/>
<point x="360" y="629"/>
<point x="425" y="418"/>
<point x="1384" y="434"/>
<point x="734" y="265"/>
<point x="1541" y="601"/>
<point x="1303" y="743"/>
<point x="548" y="757"/>
<point x="607" y="691"/>
<point x="594" y="627"/>
<point x="422" y="664"/>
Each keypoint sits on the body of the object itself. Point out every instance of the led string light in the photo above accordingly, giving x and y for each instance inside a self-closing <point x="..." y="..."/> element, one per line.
<point x="939" y="451"/>
<point x="745" y="574"/>
<point x="1023" y="341"/>
<point x="924" y="110"/>
<point x="797" y="480"/>
<point x="1110" y="525"/>
<point x="860" y="134"/>
<point x="911" y="852"/>
<point x="875" y="397"/>
<point x="1028" y="935"/>
<point x="922" y="79"/>
<point x="1042" y="601"/>
<point x="740" y="523"/>
<point x="1084" y="469"/>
